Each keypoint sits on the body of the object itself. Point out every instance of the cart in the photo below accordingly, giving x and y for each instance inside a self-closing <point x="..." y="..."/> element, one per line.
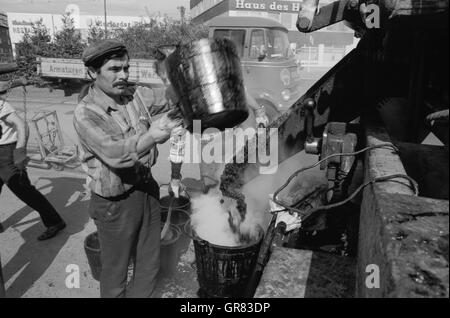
<point x="53" y="153"/>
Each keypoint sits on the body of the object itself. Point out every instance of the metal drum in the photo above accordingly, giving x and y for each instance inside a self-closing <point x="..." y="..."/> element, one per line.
<point x="207" y="78"/>
<point x="222" y="271"/>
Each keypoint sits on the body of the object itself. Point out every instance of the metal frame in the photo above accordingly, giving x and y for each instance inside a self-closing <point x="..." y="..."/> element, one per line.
<point x="54" y="153"/>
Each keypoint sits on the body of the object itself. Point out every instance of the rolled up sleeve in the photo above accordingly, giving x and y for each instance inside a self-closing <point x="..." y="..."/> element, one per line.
<point x="115" y="151"/>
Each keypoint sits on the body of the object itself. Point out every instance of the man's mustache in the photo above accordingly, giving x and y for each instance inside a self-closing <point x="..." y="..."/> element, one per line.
<point x="121" y="84"/>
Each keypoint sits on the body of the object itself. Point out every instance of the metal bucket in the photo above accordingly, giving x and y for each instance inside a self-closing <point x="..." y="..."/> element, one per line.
<point x="92" y="250"/>
<point x="223" y="272"/>
<point x="182" y="202"/>
<point x="178" y="217"/>
<point x="169" y="251"/>
<point x="207" y="77"/>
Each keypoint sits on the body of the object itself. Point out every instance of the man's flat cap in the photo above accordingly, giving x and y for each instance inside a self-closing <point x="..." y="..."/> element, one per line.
<point x="100" y="49"/>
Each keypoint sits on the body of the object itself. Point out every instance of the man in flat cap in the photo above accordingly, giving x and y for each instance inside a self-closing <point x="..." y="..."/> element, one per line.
<point x="13" y="161"/>
<point x="118" y="141"/>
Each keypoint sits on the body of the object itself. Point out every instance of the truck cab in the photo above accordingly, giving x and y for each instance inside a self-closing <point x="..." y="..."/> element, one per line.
<point x="270" y="70"/>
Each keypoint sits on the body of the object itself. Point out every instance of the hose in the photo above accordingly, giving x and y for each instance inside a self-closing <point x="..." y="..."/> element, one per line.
<point x="305" y="215"/>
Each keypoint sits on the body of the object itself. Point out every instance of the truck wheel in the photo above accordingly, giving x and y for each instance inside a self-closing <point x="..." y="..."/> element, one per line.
<point x="271" y="111"/>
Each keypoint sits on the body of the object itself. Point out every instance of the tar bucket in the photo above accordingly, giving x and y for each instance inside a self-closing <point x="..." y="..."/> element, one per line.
<point x="92" y="249"/>
<point x="207" y="77"/>
<point x="224" y="272"/>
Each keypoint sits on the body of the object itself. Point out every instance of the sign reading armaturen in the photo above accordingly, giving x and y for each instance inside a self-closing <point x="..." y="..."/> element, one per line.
<point x="141" y="71"/>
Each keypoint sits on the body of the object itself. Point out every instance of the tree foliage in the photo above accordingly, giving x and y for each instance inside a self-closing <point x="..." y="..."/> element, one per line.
<point x="141" y="40"/>
<point x="68" y="42"/>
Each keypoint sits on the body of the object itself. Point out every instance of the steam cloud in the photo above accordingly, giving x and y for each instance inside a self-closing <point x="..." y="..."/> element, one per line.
<point x="210" y="218"/>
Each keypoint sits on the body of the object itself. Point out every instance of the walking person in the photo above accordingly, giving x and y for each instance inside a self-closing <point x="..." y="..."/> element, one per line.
<point x="13" y="161"/>
<point x="118" y="141"/>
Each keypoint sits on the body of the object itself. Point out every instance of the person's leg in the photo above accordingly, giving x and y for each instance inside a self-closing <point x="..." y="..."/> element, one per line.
<point x="117" y="224"/>
<point x="21" y="186"/>
<point x="1" y="225"/>
<point x="19" y="183"/>
<point x="147" y="261"/>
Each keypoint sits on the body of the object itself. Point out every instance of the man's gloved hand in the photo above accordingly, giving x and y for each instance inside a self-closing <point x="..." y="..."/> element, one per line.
<point x="261" y="117"/>
<point x="20" y="158"/>
<point x="160" y="129"/>
<point x="176" y="188"/>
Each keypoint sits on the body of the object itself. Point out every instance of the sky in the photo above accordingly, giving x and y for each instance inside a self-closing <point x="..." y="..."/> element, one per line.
<point x="94" y="7"/>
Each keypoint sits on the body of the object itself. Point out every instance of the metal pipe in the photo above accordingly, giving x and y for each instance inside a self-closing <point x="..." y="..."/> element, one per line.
<point x="106" y="28"/>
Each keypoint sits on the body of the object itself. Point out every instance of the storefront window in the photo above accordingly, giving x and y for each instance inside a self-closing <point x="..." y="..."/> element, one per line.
<point x="236" y="36"/>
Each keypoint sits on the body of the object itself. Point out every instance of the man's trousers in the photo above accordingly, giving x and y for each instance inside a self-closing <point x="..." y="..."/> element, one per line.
<point x="129" y="227"/>
<point x="19" y="184"/>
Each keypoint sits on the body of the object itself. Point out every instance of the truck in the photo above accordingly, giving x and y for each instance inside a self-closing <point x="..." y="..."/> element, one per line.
<point x="366" y="123"/>
<point x="271" y="72"/>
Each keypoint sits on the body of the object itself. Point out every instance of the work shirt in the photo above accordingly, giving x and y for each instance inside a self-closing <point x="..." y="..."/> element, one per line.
<point x="109" y="134"/>
<point x="8" y="133"/>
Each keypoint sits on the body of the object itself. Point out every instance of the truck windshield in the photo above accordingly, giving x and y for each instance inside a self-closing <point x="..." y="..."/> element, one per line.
<point x="277" y="44"/>
<point x="236" y="36"/>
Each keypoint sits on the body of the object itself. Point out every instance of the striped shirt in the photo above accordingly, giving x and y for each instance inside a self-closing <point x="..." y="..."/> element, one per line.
<point x="109" y="133"/>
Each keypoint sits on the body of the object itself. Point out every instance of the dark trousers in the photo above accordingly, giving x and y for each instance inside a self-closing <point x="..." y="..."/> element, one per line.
<point x="19" y="183"/>
<point x="129" y="227"/>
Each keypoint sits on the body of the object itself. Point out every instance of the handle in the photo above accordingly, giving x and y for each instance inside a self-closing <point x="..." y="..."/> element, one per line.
<point x="169" y="216"/>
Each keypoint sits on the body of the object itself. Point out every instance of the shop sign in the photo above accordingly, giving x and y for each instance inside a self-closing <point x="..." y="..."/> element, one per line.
<point x="268" y="6"/>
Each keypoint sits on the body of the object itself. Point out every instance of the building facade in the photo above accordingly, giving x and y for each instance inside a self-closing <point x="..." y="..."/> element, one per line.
<point x="6" y="54"/>
<point x="325" y="46"/>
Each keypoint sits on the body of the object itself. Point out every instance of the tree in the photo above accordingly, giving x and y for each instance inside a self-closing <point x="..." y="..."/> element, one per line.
<point x="96" y="32"/>
<point x="37" y="42"/>
<point x="142" y="39"/>
<point x="68" y="42"/>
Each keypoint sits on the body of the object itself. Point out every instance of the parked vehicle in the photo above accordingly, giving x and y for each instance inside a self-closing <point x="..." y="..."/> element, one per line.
<point x="271" y="71"/>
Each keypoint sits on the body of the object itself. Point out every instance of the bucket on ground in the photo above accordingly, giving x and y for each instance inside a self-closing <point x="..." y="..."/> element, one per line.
<point x="182" y="202"/>
<point x="92" y="249"/>
<point x="179" y="217"/>
<point x="169" y="251"/>
<point x="224" y="272"/>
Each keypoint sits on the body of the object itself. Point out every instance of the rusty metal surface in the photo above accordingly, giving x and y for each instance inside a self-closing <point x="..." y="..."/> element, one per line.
<point x="406" y="236"/>
<point x="383" y="161"/>
<point x="330" y="94"/>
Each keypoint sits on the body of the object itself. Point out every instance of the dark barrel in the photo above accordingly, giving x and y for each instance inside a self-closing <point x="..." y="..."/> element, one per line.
<point x="224" y="272"/>
<point x="207" y="77"/>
